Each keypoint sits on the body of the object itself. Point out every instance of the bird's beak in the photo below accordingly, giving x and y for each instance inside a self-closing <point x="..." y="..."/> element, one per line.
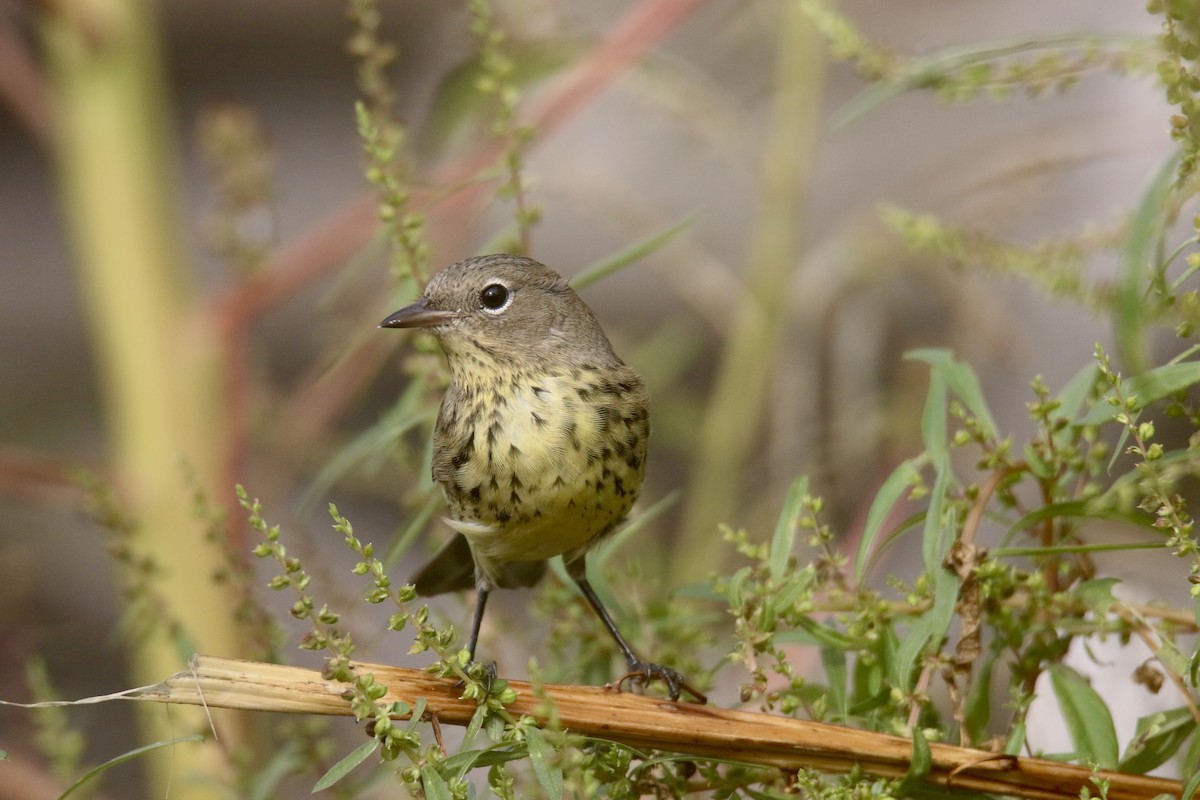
<point x="418" y="315"/>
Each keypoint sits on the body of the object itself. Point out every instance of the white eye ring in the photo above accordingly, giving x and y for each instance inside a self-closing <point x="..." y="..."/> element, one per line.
<point x="495" y="298"/>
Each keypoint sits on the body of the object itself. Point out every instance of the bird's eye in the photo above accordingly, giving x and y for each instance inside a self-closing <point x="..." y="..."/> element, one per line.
<point x="494" y="296"/>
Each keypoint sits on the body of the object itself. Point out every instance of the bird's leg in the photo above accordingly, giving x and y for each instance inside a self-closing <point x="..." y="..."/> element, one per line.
<point x="481" y="595"/>
<point x="482" y="588"/>
<point x="638" y="669"/>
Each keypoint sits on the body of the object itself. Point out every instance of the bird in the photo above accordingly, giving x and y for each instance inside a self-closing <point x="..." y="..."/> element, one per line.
<point x="540" y="442"/>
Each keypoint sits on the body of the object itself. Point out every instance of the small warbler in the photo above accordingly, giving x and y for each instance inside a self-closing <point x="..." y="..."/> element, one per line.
<point x="540" y="442"/>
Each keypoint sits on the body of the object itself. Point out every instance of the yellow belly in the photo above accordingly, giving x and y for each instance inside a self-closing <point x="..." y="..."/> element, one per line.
<point x="549" y="470"/>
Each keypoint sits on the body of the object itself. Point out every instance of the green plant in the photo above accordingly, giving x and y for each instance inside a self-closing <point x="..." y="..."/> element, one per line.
<point x="1005" y="522"/>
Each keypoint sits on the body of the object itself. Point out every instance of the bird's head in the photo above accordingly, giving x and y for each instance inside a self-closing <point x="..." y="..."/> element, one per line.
<point x="506" y="309"/>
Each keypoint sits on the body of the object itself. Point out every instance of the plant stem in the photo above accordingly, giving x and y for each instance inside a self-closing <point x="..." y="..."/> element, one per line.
<point x="156" y="361"/>
<point x="731" y="426"/>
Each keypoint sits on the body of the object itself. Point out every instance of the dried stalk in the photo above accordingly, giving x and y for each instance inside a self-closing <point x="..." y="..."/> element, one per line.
<point x="651" y="723"/>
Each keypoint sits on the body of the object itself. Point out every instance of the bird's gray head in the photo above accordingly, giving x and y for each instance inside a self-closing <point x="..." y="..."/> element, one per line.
<point x="507" y="308"/>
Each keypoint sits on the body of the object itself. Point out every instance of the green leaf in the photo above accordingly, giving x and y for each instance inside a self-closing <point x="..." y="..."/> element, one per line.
<point x="434" y="784"/>
<point x="1039" y="467"/>
<point x="1096" y="594"/>
<point x="459" y="112"/>
<point x="611" y="544"/>
<point x="977" y="709"/>
<point x="933" y="418"/>
<point x="931" y="626"/>
<point x="1015" y="742"/>
<point x="1087" y="717"/>
<point x="1149" y="387"/>
<point x="918" y="767"/>
<point x="638" y="250"/>
<point x="376" y="443"/>
<point x="1192" y="787"/>
<point x="1139" y="268"/>
<point x="894" y="487"/>
<point x="1083" y="509"/>
<point x="1191" y="766"/>
<point x="794" y="586"/>
<point x="933" y="623"/>
<point x="343" y="767"/>
<point x="416" y="714"/>
<point x="1075" y="393"/>
<point x="415" y="526"/>
<point x="785" y="528"/>
<point x="99" y="770"/>
<point x="1158" y="737"/>
<point x="542" y="757"/>
<point x="284" y="762"/>
<point x="962" y="381"/>
<point x="834" y="661"/>
<point x="474" y="727"/>
<point x="827" y="636"/>
<point x="462" y="762"/>
<point x="938" y="534"/>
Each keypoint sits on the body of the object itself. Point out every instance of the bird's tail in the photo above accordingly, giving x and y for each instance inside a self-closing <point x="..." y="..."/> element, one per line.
<point x="452" y="569"/>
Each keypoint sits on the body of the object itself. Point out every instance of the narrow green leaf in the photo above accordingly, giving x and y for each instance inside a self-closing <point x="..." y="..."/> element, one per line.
<point x="474" y="727"/>
<point x="1015" y="742"/>
<point x="1039" y="467"/>
<point x="369" y="447"/>
<point x="1084" y="509"/>
<point x="864" y="704"/>
<point x="414" y="528"/>
<point x="933" y="416"/>
<point x="977" y="709"/>
<point x="434" y="784"/>
<point x="894" y="487"/>
<point x="834" y="661"/>
<point x="284" y="762"/>
<point x="1192" y="787"/>
<point x="459" y="112"/>
<point x="414" y="716"/>
<point x="827" y="636"/>
<point x="1191" y="766"/>
<point x="1063" y="549"/>
<point x="918" y="767"/>
<point x="962" y="381"/>
<point x="1087" y="717"/>
<point x="1075" y="393"/>
<point x="617" y="261"/>
<point x="791" y="589"/>
<point x="99" y="770"/>
<point x="343" y="767"/>
<point x="785" y="528"/>
<point x="933" y="623"/>
<point x="1158" y="737"/>
<point x="937" y="535"/>
<point x="541" y="758"/>
<point x="611" y="544"/>
<point x="1139" y="266"/>
<point x="929" y="627"/>
<point x="464" y="761"/>
<point x="1149" y="387"/>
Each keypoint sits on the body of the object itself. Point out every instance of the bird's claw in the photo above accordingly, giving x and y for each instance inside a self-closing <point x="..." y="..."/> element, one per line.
<point x="489" y="676"/>
<point x="642" y="672"/>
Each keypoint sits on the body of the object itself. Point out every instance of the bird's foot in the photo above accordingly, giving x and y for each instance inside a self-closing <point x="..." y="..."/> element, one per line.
<point x="484" y="673"/>
<point x="642" y="672"/>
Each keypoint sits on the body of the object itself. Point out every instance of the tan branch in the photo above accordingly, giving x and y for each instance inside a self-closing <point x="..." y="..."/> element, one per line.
<point x="645" y="722"/>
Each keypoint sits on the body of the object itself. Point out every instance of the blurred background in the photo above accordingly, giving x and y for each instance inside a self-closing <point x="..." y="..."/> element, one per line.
<point x="771" y="329"/>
